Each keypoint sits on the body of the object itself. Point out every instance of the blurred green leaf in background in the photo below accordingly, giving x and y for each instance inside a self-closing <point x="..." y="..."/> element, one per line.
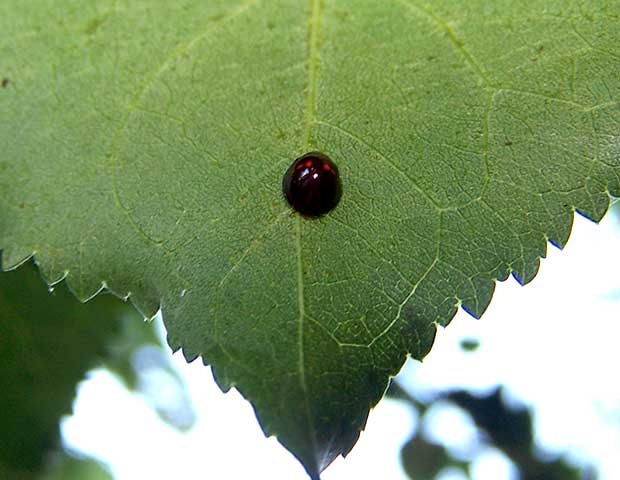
<point x="48" y="343"/>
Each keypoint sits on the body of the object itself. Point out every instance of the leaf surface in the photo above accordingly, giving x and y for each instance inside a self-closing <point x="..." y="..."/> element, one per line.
<point x="143" y="146"/>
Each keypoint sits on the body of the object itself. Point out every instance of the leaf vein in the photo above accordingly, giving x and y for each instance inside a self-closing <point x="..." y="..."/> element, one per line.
<point x="384" y="158"/>
<point x="456" y="42"/>
<point x="131" y="106"/>
<point x="424" y="275"/>
<point x="311" y="105"/>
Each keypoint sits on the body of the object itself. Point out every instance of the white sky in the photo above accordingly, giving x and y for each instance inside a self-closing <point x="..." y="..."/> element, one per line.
<point x="553" y="344"/>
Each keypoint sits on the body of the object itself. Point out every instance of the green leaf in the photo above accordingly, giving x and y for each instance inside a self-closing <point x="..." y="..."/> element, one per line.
<point x="70" y="468"/>
<point x="143" y="147"/>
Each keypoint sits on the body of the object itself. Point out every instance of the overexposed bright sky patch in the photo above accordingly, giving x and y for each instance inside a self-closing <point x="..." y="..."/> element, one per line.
<point x="553" y="343"/>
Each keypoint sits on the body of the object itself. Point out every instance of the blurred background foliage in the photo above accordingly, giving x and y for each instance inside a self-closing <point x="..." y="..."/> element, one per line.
<point x="48" y="343"/>
<point x="507" y="428"/>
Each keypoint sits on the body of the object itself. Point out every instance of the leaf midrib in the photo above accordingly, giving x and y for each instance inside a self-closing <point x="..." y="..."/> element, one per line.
<point x="311" y="96"/>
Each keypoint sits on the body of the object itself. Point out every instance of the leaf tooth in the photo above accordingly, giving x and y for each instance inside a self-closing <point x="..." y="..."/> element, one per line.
<point x="13" y="256"/>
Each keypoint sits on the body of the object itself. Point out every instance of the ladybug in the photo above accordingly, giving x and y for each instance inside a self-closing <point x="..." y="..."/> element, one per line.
<point x="311" y="185"/>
